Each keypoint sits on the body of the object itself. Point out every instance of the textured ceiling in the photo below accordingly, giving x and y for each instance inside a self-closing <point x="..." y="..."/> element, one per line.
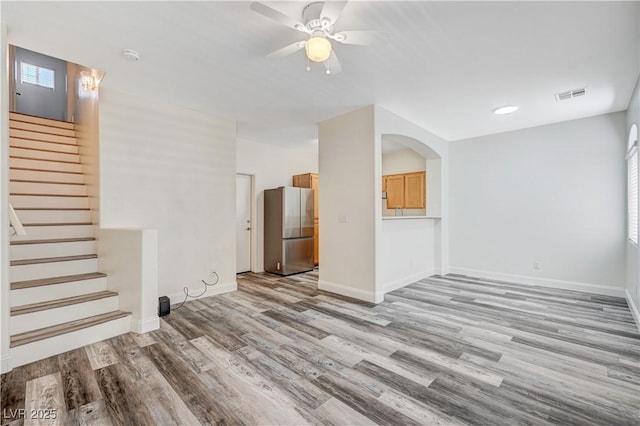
<point x="445" y="65"/>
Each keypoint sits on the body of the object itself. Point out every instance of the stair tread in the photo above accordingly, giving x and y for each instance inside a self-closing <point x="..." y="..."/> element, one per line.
<point x="49" y="160"/>
<point x="53" y="259"/>
<point x="27" y="194"/>
<point x="67" y="327"/>
<point x="58" y="224"/>
<point x="46" y="181"/>
<point x="18" y="285"/>
<point x="51" y="240"/>
<point x="14" y="114"/>
<point x="31" y="169"/>
<point x="38" y="140"/>
<point x="58" y="303"/>
<point x="52" y="208"/>
<point x="40" y="132"/>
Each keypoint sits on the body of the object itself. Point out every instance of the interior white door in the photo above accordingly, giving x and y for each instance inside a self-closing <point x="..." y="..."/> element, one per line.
<point x="243" y="223"/>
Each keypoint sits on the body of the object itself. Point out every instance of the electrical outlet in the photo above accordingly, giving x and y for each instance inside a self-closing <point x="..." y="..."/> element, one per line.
<point x="536" y="265"/>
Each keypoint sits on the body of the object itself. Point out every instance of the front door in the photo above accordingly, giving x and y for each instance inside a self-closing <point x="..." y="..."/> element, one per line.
<point x="40" y="85"/>
<point x="243" y="223"/>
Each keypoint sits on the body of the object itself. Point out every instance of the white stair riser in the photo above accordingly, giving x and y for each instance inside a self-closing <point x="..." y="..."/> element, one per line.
<point x="56" y="231"/>
<point x="40" y="128"/>
<point x="50" y="146"/>
<point x="32" y="153"/>
<point x="45" y="165"/>
<point x="39" y="251"/>
<point x="24" y="296"/>
<point x="46" y="188"/>
<point x="54" y="216"/>
<point x="52" y="269"/>
<point x="41" y="120"/>
<point x="49" y="202"/>
<point x="25" y="134"/>
<point x="45" y="348"/>
<point x="46" y="176"/>
<point x="41" y="319"/>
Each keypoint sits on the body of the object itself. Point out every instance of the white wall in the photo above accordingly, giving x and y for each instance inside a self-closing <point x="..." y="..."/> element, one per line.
<point x="172" y="169"/>
<point x="553" y="194"/>
<point x="633" y="254"/>
<point x="349" y="197"/>
<point x="271" y="166"/>
<point x="402" y="161"/>
<point x="5" y="354"/>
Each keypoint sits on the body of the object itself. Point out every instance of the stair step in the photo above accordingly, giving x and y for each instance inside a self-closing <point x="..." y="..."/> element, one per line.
<point x="58" y="303"/>
<point x="49" y="201"/>
<point x="52" y="267"/>
<point x="52" y="259"/>
<point x="40" y="154"/>
<point x="58" y="224"/>
<point x="41" y="128"/>
<point x="44" y="146"/>
<point x="49" y="232"/>
<point x="47" y="188"/>
<point x="45" y="248"/>
<point x="55" y="280"/>
<point x="52" y="240"/>
<point x="45" y="175"/>
<point x="18" y="116"/>
<point x="56" y="330"/>
<point x="53" y="215"/>
<point x="44" y="165"/>
<point x="42" y="137"/>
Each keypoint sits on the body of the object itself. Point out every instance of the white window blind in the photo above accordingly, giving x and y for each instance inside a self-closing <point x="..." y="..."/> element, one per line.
<point x="632" y="196"/>
<point x="33" y="74"/>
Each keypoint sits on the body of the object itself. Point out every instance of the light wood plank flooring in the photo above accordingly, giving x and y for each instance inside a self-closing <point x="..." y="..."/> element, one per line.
<point x="446" y="350"/>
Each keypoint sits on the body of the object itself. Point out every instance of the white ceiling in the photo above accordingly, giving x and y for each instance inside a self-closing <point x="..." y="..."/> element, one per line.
<point x="445" y="65"/>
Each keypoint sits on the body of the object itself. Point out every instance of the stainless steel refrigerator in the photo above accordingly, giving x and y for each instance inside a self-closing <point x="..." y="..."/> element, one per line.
<point x="288" y="230"/>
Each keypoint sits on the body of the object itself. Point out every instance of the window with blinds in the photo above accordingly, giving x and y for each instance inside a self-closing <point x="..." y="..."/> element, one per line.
<point x="632" y="184"/>
<point x="39" y="76"/>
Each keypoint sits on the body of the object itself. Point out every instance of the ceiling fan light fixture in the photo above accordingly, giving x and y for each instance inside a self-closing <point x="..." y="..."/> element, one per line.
<point x="318" y="49"/>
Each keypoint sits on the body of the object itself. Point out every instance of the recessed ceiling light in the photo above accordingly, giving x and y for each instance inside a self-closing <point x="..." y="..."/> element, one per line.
<point x="507" y="109"/>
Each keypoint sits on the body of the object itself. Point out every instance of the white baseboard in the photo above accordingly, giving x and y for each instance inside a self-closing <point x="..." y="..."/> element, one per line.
<point x="145" y="325"/>
<point x="356" y="293"/>
<point x="633" y="308"/>
<point x="543" y="282"/>
<point x="5" y="363"/>
<point x="211" y="291"/>
<point x="394" y="285"/>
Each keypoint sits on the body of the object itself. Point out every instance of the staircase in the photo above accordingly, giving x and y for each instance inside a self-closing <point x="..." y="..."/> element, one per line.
<point x="59" y="301"/>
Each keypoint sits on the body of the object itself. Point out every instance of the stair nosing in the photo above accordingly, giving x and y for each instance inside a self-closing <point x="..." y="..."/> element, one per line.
<point x="31" y="169"/>
<point x="18" y="340"/>
<point x="59" y="303"/>
<point x="58" y="224"/>
<point x="42" y="118"/>
<point x="40" y="282"/>
<point x="52" y="208"/>
<point x="46" y="182"/>
<point x="42" y="150"/>
<point x="28" y="194"/>
<point x="40" y="140"/>
<point x="51" y="241"/>
<point x="19" y="157"/>
<point x="57" y="259"/>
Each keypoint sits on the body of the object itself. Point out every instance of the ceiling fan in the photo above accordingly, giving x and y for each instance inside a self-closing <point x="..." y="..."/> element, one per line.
<point x="317" y="22"/>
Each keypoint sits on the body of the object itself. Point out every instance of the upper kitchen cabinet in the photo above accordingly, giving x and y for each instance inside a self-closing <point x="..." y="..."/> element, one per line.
<point x="405" y="190"/>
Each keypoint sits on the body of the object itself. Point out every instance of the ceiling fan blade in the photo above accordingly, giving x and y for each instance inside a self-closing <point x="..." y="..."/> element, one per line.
<point x="362" y="38"/>
<point x="332" y="10"/>
<point x="287" y="50"/>
<point x="279" y="17"/>
<point x="332" y="65"/>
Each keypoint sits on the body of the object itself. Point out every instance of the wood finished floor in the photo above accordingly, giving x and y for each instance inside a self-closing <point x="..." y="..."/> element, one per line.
<point x="445" y="350"/>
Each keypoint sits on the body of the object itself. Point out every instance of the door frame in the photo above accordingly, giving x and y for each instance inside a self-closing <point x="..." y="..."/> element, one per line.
<point x="252" y="218"/>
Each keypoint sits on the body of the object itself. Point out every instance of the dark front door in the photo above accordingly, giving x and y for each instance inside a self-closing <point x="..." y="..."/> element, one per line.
<point x="41" y="85"/>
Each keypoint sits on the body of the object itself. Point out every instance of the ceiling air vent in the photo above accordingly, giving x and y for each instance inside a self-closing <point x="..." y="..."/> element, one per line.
<point x="563" y="96"/>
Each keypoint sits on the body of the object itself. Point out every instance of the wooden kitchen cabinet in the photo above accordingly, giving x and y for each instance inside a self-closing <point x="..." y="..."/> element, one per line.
<point x="405" y="190"/>
<point x="311" y="180"/>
